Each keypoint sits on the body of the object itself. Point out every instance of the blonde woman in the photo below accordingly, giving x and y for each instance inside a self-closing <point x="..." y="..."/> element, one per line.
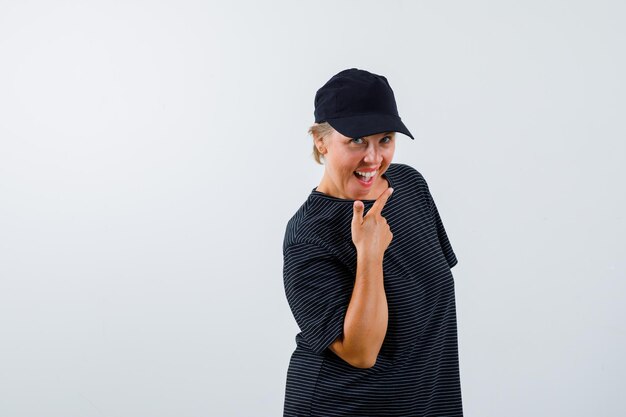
<point x="367" y="270"/>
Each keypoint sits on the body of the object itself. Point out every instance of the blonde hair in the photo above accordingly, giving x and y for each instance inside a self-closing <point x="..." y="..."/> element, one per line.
<point x="320" y="130"/>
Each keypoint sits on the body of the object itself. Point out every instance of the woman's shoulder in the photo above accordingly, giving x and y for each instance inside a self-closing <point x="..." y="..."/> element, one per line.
<point x="405" y="175"/>
<point x="316" y="222"/>
<point x="401" y="169"/>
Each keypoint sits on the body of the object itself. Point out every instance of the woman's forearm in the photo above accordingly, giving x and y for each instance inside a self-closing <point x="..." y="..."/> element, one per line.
<point x="366" y="320"/>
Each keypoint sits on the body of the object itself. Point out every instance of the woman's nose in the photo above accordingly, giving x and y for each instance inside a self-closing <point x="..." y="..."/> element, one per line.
<point x="372" y="155"/>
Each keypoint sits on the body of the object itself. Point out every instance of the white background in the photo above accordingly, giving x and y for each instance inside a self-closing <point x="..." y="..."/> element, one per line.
<point x="151" y="153"/>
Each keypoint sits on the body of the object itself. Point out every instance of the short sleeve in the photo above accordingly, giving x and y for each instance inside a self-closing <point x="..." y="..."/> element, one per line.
<point x="318" y="289"/>
<point x="444" y="242"/>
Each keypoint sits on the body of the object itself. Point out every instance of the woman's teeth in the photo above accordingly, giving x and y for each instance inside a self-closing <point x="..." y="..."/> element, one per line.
<point x="367" y="174"/>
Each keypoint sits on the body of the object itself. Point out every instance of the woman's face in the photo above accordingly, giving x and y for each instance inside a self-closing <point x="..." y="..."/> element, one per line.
<point x="345" y="156"/>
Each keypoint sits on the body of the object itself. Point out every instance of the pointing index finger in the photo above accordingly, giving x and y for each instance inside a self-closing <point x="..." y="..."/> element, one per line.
<point x="381" y="200"/>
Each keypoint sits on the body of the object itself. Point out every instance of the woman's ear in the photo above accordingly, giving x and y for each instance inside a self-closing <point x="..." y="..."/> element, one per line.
<point x="319" y="143"/>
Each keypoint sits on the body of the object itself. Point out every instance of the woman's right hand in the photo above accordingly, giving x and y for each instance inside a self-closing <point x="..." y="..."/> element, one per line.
<point x="371" y="234"/>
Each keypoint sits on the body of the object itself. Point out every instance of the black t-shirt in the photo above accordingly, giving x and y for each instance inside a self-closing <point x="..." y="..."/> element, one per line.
<point x="417" y="369"/>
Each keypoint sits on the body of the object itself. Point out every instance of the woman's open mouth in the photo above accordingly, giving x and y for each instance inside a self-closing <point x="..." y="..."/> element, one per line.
<point x="366" y="178"/>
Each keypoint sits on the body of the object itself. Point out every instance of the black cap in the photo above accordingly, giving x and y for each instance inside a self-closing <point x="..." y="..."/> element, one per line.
<point x="357" y="103"/>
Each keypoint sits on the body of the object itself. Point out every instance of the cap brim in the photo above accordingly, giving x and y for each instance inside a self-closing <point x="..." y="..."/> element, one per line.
<point x="369" y="124"/>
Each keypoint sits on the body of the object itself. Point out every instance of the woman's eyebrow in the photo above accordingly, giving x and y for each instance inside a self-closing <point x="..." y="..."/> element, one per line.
<point x="383" y="133"/>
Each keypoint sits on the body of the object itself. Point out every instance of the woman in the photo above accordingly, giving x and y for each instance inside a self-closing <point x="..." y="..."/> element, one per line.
<point x="367" y="270"/>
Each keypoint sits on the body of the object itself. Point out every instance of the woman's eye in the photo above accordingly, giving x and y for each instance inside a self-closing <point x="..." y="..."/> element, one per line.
<point x="385" y="139"/>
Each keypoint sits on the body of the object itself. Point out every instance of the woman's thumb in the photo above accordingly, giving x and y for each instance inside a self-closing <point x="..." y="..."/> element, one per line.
<point x="358" y="212"/>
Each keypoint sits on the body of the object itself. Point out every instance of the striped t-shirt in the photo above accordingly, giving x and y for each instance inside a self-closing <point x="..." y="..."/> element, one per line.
<point x="417" y="369"/>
